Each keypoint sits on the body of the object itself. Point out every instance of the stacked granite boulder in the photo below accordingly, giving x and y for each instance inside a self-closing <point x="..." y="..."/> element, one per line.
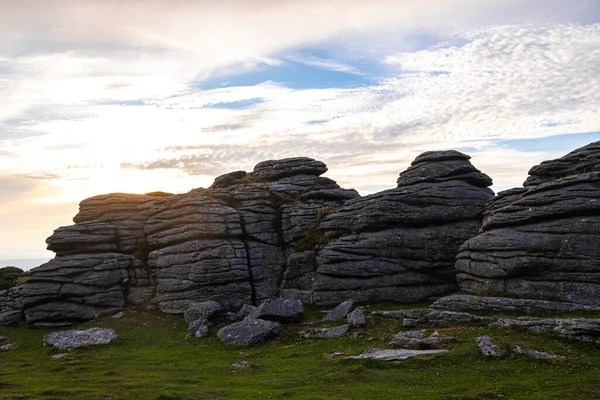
<point x="228" y="243"/>
<point x="99" y="265"/>
<point x="400" y="244"/>
<point x="282" y="230"/>
<point x="541" y="241"/>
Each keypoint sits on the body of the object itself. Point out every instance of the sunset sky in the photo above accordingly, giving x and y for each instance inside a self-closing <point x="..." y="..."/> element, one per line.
<point x="101" y="96"/>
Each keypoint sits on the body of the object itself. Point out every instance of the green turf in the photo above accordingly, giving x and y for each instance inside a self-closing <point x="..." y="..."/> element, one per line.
<point x="151" y="359"/>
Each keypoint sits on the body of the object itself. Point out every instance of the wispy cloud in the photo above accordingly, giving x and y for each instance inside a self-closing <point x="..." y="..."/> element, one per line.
<point x="99" y="96"/>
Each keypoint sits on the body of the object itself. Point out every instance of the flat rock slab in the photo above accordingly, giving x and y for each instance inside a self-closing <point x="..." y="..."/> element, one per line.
<point x="326" y="333"/>
<point x="584" y="329"/>
<point x="450" y="317"/>
<point x="413" y="314"/>
<point x="393" y="355"/>
<point x="78" y="338"/>
<point x="470" y="302"/>
<point x="249" y="332"/>
<point x="340" y="311"/>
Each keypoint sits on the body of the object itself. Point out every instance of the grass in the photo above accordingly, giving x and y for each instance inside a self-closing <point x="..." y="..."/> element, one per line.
<point x="151" y="359"/>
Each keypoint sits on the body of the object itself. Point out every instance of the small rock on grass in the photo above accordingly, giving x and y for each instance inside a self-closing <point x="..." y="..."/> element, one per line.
<point x="533" y="353"/>
<point x="58" y="356"/>
<point x="198" y="328"/>
<point x="487" y="347"/>
<point x="7" y="347"/>
<point x="241" y="364"/>
<point x="356" y="318"/>
<point x="120" y="314"/>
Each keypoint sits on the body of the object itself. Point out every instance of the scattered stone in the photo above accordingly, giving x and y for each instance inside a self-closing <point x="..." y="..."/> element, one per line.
<point x="2" y="338"/>
<point x="410" y="323"/>
<point x="439" y="318"/>
<point x="7" y="347"/>
<point x="533" y="353"/>
<point x="393" y="355"/>
<point x="245" y="311"/>
<point x="356" y="318"/>
<point x="207" y="310"/>
<point x="527" y="306"/>
<point x="241" y="364"/>
<point x="59" y="356"/>
<point x="249" y="332"/>
<point x="118" y="315"/>
<point x="76" y="338"/>
<point x="281" y="310"/>
<point x="325" y="333"/>
<point x="198" y="328"/>
<point x="487" y="347"/>
<point x="340" y="311"/>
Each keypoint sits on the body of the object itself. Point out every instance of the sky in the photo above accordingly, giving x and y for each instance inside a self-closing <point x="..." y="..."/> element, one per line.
<point x="136" y="96"/>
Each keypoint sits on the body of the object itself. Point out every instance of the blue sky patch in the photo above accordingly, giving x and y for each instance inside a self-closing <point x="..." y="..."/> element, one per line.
<point x="560" y="143"/>
<point x="291" y="74"/>
<point x="235" y="105"/>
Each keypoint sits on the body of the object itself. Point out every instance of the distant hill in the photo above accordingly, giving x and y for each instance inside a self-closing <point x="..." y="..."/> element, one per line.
<point x="23" y="263"/>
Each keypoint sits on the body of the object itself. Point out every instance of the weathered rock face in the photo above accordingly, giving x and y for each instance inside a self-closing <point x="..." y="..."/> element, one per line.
<point x="279" y="231"/>
<point x="541" y="241"/>
<point x="100" y="263"/>
<point x="400" y="244"/>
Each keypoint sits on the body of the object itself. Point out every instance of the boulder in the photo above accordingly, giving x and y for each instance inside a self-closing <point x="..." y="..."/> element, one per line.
<point x="281" y="310"/>
<point x="207" y="310"/>
<point x="341" y="311"/>
<point x="416" y="340"/>
<point x="249" y="332"/>
<point x="356" y="318"/>
<point x="77" y="338"/>
<point x="539" y="242"/>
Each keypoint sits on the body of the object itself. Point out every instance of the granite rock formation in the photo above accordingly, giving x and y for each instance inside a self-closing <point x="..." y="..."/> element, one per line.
<point x="282" y="230"/>
<point x="541" y="241"/>
<point x="400" y="244"/>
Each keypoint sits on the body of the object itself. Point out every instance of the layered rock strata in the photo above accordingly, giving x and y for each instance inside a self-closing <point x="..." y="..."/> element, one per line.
<point x="400" y="244"/>
<point x="541" y="241"/>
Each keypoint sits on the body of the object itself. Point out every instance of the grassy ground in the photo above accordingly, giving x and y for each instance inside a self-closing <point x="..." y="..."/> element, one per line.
<point x="151" y="359"/>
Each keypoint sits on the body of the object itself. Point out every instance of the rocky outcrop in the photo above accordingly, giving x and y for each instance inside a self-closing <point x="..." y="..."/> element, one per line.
<point x="540" y="241"/>
<point x="400" y="244"/>
<point x="281" y="230"/>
